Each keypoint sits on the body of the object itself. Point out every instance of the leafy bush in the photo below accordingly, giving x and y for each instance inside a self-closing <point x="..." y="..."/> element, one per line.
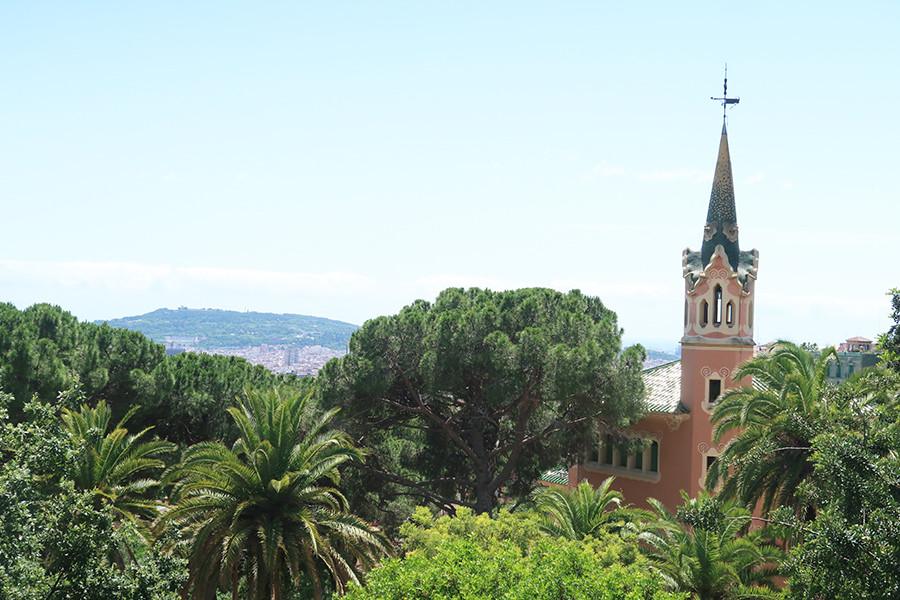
<point x="56" y="540"/>
<point x="509" y="557"/>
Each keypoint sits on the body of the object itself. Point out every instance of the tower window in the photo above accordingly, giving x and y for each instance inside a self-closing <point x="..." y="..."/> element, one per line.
<point x="704" y="313"/>
<point x="750" y="315"/>
<point x="715" y="390"/>
<point x="729" y="314"/>
<point x="717" y="306"/>
<point x="685" y="312"/>
<point x="708" y="461"/>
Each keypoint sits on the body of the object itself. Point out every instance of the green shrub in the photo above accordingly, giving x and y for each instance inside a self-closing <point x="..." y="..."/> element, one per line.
<point x="475" y="556"/>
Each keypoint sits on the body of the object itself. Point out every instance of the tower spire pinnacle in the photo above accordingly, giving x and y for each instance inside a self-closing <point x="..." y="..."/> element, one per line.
<point x="721" y="218"/>
<point x="725" y="100"/>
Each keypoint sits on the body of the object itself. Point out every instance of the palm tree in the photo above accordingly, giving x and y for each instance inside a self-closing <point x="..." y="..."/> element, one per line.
<point x="116" y="466"/>
<point x="773" y="422"/>
<point x="265" y="511"/>
<point x="584" y="511"/>
<point x="708" y="552"/>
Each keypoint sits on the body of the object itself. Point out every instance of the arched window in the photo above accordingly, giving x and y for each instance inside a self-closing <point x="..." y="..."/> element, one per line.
<point x="654" y="456"/>
<point x="837" y="369"/>
<point x="713" y="391"/>
<point x="704" y="313"/>
<point x="729" y="313"/>
<point x="717" y="306"/>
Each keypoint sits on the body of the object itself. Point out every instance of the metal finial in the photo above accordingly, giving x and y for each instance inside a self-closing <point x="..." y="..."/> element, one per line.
<point x="725" y="100"/>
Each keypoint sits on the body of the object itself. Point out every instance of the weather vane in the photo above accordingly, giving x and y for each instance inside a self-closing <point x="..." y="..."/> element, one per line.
<point x="725" y="100"/>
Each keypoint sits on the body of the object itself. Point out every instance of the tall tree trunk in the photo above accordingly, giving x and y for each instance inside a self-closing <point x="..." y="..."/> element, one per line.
<point x="313" y="573"/>
<point x="484" y="498"/>
<point x="484" y="493"/>
<point x="235" y="583"/>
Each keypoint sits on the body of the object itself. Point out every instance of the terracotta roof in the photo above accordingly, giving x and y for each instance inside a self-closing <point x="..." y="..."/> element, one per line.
<point x="662" y="388"/>
<point x="858" y="339"/>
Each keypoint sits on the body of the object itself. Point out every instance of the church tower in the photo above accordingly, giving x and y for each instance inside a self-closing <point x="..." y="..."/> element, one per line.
<point x="719" y="284"/>
<point x="671" y="448"/>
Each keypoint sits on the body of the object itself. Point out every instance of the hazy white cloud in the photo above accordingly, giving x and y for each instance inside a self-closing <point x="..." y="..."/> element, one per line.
<point x="605" y="169"/>
<point x="430" y="285"/>
<point x="838" y="305"/>
<point x="669" y="175"/>
<point x="605" y="289"/>
<point x="136" y="277"/>
<point x="753" y="179"/>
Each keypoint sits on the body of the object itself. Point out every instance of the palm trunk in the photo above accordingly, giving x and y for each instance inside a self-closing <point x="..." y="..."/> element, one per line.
<point x="313" y="574"/>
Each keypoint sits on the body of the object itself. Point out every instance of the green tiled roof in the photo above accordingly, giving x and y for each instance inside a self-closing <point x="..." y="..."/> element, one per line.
<point x="721" y="217"/>
<point x="662" y="388"/>
<point x="559" y="476"/>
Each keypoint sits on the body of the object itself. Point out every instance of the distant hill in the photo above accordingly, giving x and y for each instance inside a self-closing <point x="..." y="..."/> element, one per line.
<point x="212" y="329"/>
<point x="658" y="357"/>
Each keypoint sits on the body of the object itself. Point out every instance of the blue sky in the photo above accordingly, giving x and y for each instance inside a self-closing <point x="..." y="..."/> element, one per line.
<point x="344" y="159"/>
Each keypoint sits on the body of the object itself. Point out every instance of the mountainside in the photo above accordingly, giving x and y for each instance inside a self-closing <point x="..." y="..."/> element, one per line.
<point x="658" y="357"/>
<point x="212" y="329"/>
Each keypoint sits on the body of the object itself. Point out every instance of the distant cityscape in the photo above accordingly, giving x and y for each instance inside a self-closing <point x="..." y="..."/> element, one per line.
<point x="282" y="343"/>
<point x="278" y="359"/>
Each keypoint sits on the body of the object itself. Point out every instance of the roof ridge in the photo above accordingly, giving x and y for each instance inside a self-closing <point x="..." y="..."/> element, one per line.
<point x="659" y="366"/>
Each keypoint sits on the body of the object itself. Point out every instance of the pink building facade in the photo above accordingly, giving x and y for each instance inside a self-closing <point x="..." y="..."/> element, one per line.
<point x="671" y="448"/>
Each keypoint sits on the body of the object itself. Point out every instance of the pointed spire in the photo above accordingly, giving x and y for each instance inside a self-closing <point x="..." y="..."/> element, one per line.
<point x="721" y="218"/>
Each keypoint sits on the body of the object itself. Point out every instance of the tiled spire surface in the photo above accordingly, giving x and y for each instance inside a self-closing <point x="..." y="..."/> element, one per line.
<point x="721" y="218"/>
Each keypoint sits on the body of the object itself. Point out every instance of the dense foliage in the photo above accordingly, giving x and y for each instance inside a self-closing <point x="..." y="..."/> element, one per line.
<point x="116" y="467"/>
<point x="852" y="547"/>
<point x="476" y="394"/>
<point x="890" y="341"/>
<point x="584" y="511"/>
<point x="460" y="404"/>
<point x="706" y="549"/>
<point x="474" y="556"/>
<point x="44" y="350"/>
<point x="257" y="517"/>
<point x="186" y="396"/>
<point x="776" y="419"/>
<point x="827" y="460"/>
<point x="59" y="540"/>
